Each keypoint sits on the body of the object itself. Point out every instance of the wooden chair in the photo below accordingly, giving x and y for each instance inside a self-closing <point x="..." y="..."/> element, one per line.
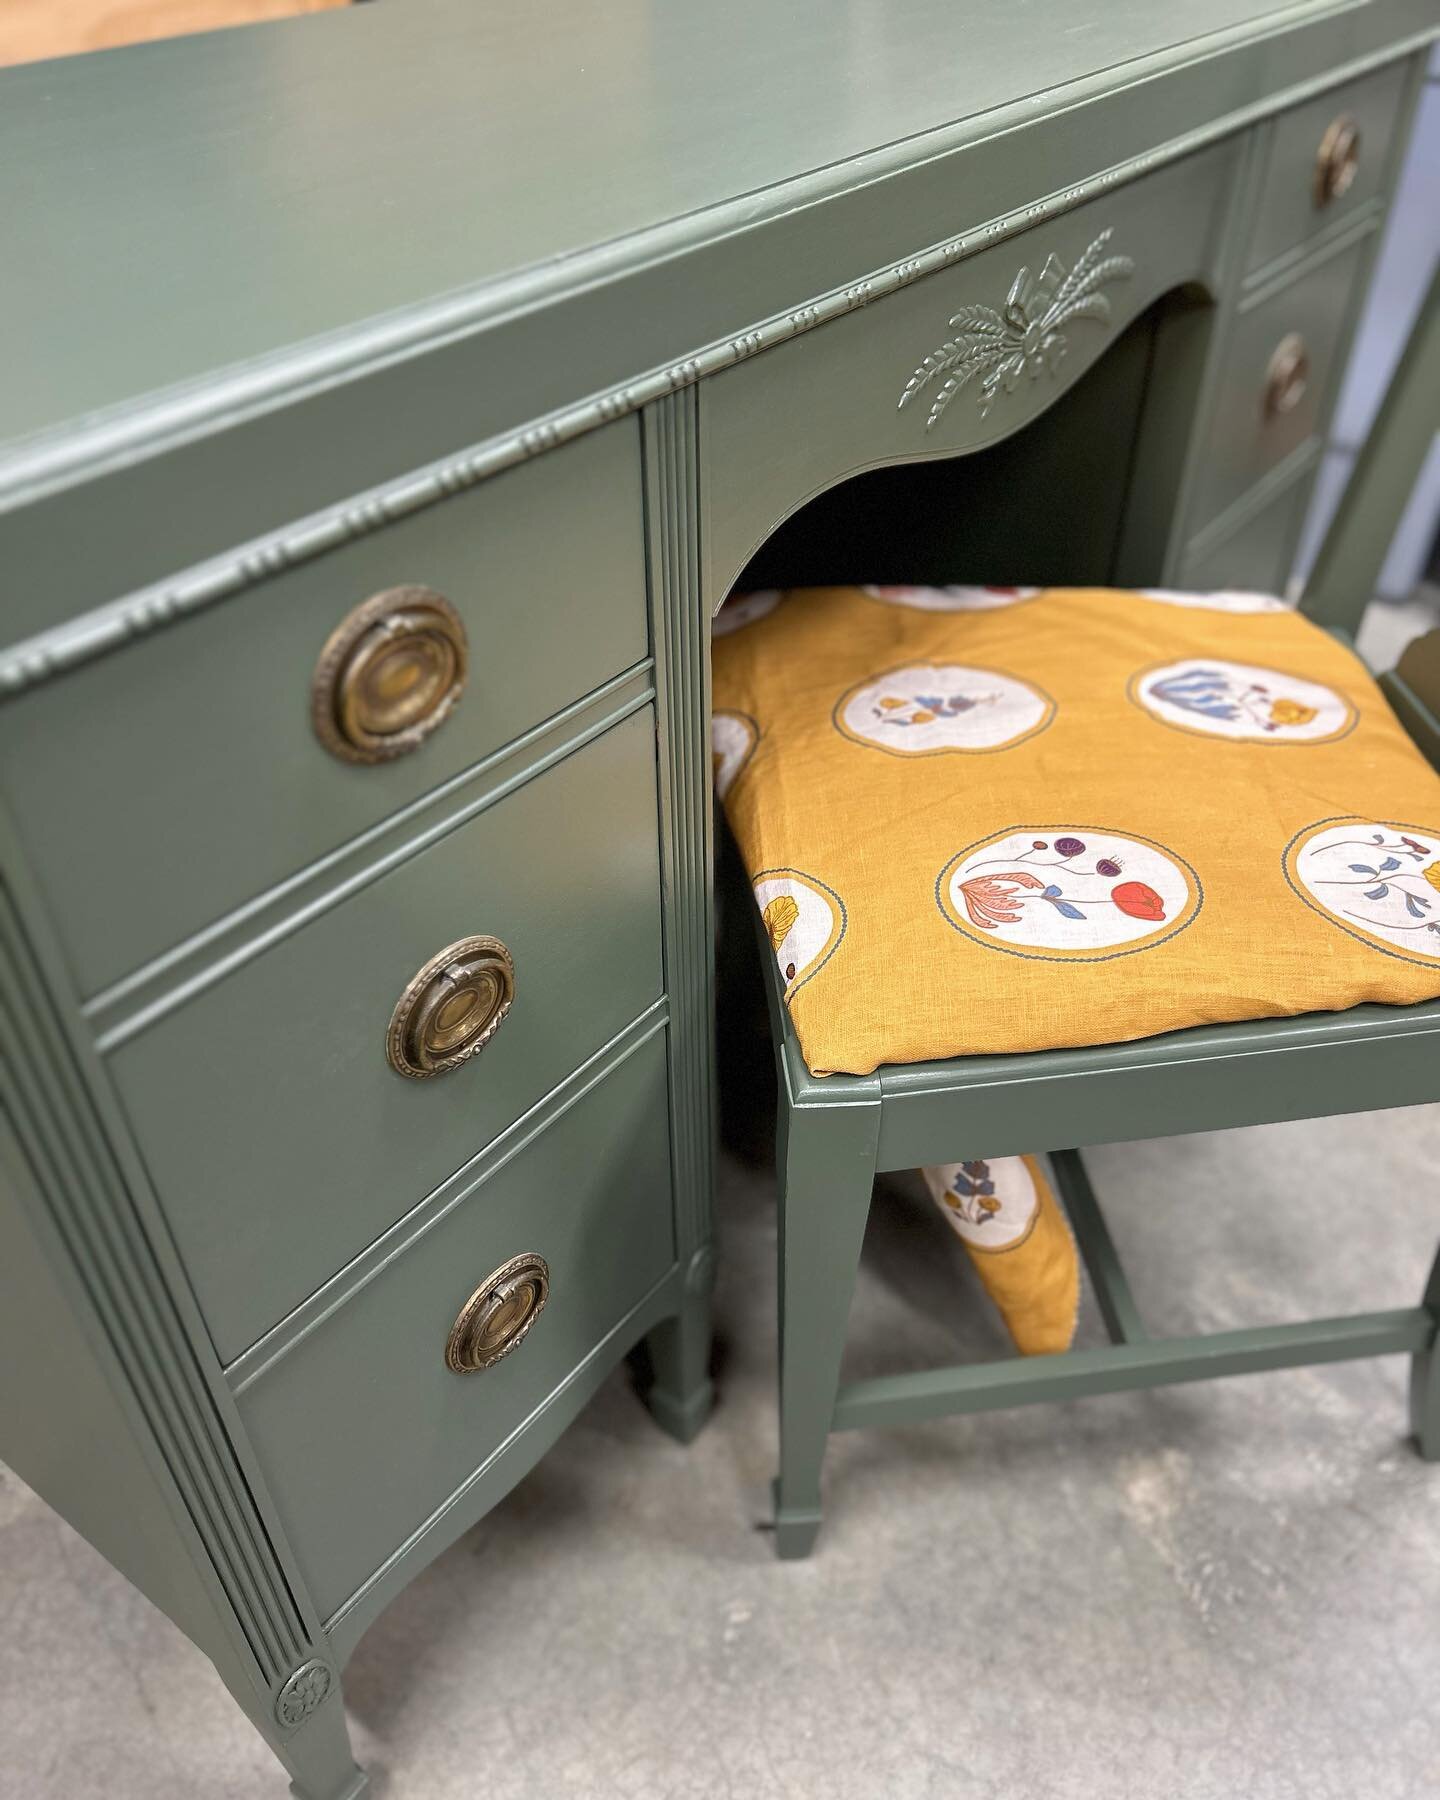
<point x="835" y="1133"/>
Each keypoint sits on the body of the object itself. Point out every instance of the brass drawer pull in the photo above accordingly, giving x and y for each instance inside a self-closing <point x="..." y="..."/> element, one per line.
<point x="390" y="673"/>
<point x="451" y="1008"/>
<point x="1337" y="161"/>
<point x="497" y="1316"/>
<point x="1287" y="375"/>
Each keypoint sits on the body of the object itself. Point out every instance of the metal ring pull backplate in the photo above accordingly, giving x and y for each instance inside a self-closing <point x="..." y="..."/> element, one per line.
<point x="1287" y="375"/>
<point x="499" y="1314"/>
<point x="1337" y="162"/>
<point x="451" y="1007"/>
<point x="390" y="674"/>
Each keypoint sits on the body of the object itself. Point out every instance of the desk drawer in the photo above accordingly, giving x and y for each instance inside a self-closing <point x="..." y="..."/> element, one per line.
<point x="1260" y="417"/>
<point x="911" y="373"/>
<point x="1258" y="555"/>
<point x="1328" y="158"/>
<point x="365" y="1406"/>
<point x="162" y="785"/>
<point x="280" y="1139"/>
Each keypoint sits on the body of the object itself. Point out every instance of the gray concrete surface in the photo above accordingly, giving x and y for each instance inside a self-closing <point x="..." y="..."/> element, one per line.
<point x="1388" y="626"/>
<point x="1217" y="1593"/>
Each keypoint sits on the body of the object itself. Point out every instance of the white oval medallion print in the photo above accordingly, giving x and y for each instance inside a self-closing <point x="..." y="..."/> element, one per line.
<point x="992" y="1204"/>
<point x="733" y="737"/>
<point x="952" y="599"/>
<point x="744" y="609"/>
<point x="1063" y="892"/>
<point x="805" y="921"/>
<point x="1380" y="882"/>
<point x="1238" y="700"/>
<point x="1229" y="600"/>
<point x="930" y="709"/>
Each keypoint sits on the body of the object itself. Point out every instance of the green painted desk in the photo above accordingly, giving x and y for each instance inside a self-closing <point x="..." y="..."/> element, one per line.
<point x="392" y="395"/>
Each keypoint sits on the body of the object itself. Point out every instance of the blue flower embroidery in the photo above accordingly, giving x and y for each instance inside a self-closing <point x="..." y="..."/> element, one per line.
<point x="924" y="709"/>
<point x="971" y="1193"/>
<point x="1202" y="691"/>
<point x="1218" y="694"/>
<point x="1379" y="881"/>
<point x="1061" y="905"/>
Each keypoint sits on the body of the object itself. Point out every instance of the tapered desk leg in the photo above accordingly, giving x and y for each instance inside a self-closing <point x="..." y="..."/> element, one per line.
<point x="826" y="1167"/>
<point x="680" y="1393"/>
<point x="318" y="1755"/>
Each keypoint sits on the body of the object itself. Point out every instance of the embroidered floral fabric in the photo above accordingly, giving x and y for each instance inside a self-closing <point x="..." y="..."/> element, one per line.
<point x="1003" y="819"/>
<point x="1019" y="1242"/>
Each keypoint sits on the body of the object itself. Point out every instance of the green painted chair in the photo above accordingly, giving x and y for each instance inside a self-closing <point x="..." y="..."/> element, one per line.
<point x="837" y="1132"/>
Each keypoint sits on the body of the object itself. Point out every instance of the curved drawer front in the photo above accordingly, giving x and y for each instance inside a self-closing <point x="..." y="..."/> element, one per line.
<point x="187" y="767"/>
<point x="1328" y="159"/>
<point x="955" y="361"/>
<point x="1270" y="403"/>
<point x="280" y="1138"/>
<point x="365" y="1404"/>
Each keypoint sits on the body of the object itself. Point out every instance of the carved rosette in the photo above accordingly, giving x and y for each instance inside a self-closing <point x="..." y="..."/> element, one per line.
<point x="999" y="347"/>
<point x="303" y="1692"/>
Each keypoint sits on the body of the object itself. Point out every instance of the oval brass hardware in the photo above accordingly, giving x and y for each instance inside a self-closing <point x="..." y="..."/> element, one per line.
<point x="1287" y="375"/>
<point x="390" y="673"/>
<point x="1337" y="160"/>
<point x="498" y="1314"/>
<point x="451" y="1008"/>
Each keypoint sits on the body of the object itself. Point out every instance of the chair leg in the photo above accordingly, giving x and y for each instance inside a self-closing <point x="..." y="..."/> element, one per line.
<point x="1425" y="1378"/>
<point x="826" y="1166"/>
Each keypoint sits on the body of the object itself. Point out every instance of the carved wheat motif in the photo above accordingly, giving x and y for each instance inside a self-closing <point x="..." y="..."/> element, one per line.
<point x="1026" y="335"/>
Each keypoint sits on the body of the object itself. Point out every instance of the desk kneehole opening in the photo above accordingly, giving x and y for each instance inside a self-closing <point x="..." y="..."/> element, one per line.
<point x="497" y="1317"/>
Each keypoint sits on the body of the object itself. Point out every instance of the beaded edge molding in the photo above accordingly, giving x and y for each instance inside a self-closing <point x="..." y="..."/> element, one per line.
<point x="110" y="627"/>
<point x="117" y="623"/>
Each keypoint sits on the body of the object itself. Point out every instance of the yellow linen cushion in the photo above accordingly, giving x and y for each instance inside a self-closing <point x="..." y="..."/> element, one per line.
<point x="1019" y="1243"/>
<point x="983" y="820"/>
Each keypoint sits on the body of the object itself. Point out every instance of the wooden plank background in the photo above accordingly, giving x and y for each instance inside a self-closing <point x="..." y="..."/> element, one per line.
<point x="33" y="29"/>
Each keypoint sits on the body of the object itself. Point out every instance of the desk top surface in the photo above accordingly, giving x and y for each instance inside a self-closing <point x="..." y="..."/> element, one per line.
<point x="213" y="202"/>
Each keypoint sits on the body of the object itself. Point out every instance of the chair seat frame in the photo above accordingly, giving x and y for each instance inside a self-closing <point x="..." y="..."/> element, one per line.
<point x="836" y="1133"/>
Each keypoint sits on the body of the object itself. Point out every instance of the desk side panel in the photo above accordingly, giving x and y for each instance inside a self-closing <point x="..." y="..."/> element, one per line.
<point x="64" y="1428"/>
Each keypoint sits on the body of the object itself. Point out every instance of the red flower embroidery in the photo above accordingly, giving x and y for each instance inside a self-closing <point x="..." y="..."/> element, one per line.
<point x="993" y="900"/>
<point x="1139" y="901"/>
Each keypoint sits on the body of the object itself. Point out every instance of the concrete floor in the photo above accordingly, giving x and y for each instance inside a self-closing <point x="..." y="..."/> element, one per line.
<point x="1388" y="625"/>
<point x="1228" y="1591"/>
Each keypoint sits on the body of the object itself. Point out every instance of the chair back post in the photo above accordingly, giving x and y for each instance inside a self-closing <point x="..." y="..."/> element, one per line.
<point x="1353" y="551"/>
